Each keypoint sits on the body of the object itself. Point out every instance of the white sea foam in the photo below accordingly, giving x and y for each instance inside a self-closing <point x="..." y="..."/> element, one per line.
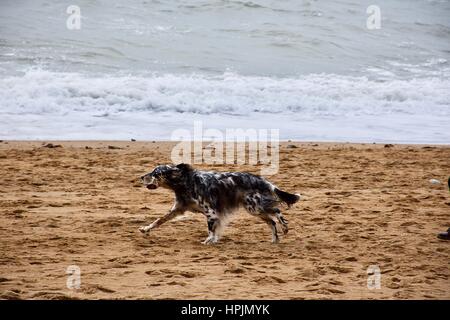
<point x="41" y="92"/>
<point x="341" y="107"/>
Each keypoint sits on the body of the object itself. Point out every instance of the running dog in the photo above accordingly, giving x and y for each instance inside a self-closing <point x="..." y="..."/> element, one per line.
<point x="217" y="195"/>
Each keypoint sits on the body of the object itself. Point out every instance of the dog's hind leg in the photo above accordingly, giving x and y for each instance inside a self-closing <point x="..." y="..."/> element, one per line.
<point x="268" y="207"/>
<point x="263" y="207"/>
<point x="175" y="211"/>
<point x="273" y="227"/>
<point x="283" y="222"/>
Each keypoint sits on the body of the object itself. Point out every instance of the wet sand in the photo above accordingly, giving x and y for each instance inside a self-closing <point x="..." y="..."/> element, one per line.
<point x="363" y="204"/>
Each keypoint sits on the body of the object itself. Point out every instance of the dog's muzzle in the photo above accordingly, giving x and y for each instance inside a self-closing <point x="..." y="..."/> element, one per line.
<point x="149" y="182"/>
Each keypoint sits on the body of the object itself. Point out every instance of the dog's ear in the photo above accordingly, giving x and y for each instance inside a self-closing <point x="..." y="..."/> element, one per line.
<point x="184" y="167"/>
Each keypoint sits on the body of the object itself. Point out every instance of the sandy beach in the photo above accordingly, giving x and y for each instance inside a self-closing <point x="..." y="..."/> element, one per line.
<point x="81" y="203"/>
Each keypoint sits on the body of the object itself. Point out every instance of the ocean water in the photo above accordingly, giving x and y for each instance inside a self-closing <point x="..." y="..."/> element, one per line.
<point x="142" y="69"/>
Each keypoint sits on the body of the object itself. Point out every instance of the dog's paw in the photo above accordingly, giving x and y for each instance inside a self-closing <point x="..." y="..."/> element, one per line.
<point x="145" y="229"/>
<point x="210" y="240"/>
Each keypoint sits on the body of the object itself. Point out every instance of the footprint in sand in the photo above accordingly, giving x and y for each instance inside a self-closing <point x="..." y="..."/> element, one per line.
<point x="176" y="283"/>
<point x="234" y="270"/>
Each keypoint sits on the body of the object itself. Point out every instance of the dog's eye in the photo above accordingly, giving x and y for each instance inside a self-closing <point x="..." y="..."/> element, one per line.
<point x="175" y="173"/>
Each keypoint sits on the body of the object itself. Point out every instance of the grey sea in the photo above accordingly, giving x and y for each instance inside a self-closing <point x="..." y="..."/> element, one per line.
<point x="315" y="70"/>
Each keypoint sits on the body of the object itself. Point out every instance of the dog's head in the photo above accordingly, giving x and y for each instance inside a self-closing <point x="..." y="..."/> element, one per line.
<point x="164" y="176"/>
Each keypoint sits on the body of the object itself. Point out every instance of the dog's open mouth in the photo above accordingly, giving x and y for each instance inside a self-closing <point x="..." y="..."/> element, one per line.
<point x="151" y="186"/>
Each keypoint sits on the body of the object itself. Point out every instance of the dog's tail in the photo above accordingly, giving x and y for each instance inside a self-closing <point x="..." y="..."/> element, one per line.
<point x="287" y="197"/>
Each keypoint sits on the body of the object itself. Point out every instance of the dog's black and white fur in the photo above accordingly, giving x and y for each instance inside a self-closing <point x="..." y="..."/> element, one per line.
<point x="217" y="194"/>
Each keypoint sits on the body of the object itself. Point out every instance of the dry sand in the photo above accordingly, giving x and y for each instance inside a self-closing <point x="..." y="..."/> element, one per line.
<point x="363" y="205"/>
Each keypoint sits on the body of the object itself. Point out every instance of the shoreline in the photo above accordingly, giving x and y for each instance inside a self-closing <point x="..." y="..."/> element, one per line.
<point x="282" y="142"/>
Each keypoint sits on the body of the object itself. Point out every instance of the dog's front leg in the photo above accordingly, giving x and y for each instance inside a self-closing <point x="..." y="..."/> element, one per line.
<point x="213" y="227"/>
<point x="175" y="211"/>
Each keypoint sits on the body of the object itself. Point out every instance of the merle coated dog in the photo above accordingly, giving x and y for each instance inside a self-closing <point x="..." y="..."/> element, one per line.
<point x="217" y="194"/>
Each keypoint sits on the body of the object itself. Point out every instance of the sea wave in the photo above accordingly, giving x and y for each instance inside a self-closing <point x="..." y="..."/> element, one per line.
<point x="317" y="95"/>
